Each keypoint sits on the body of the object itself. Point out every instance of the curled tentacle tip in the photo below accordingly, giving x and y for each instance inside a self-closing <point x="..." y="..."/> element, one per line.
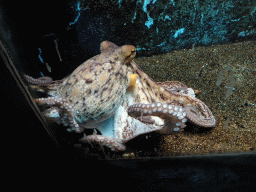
<point x="203" y="118"/>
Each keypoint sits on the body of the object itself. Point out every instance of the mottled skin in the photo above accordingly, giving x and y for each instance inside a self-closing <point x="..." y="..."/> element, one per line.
<point x="96" y="88"/>
<point x="171" y="93"/>
<point x="96" y="95"/>
<point x="94" y="91"/>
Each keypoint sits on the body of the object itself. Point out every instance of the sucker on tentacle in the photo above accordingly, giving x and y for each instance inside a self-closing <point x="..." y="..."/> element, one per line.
<point x="41" y="81"/>
<point x="154" y="92"/>
<point x="174" y="115"/>
<point x="44" y="84"/>
<point x="65" y="110"/>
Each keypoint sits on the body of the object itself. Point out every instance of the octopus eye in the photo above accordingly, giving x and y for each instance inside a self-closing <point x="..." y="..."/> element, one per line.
<point x="128" y="53"/>
<point x="128" y="50"/>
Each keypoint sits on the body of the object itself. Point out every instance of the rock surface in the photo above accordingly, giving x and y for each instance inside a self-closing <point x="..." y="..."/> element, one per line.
<point x="162" y="26"/>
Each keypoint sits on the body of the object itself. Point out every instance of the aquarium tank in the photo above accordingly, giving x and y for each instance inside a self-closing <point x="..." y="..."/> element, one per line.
<point x="162" y="92"/>
<point x="134" y="79"/>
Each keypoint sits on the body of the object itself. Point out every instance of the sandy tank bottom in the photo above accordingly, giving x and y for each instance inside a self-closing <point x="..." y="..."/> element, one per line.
<point x="224" y="78"/>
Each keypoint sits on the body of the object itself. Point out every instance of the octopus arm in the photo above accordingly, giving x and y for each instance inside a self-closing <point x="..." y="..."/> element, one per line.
<point x="114" y="144"/>
<point x="176" y="93"/>
<point x="41" y="81"/>
<point x="202" y="117"/>
<point x="174" y="116"/>
<point x="63" y="109"/>
<point x="44" y="84"/>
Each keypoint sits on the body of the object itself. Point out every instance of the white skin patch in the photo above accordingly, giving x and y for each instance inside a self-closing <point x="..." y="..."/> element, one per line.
<point x="158" y="121"/>
<point x="54" y="113"/>
<point x="191" y="92"/>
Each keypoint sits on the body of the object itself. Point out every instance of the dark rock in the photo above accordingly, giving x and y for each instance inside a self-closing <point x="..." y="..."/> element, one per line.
<point x="161" y="26"/>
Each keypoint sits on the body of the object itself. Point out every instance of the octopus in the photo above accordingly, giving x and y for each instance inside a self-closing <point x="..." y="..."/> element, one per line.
<point x="112" y="94"/>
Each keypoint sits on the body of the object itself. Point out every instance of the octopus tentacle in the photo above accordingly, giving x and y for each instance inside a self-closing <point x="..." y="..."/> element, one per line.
<point x="44" y="84"/>
<point x="173" y="86"/>
<point x="174" y="115"/>
<point x="65" y="110"/>
<point x="158" y="92"/>
<point x="204" y="119"/>
<point x="41" y="81"/>
<point x="114" y="144"/>
<point x="177" y="87"/>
